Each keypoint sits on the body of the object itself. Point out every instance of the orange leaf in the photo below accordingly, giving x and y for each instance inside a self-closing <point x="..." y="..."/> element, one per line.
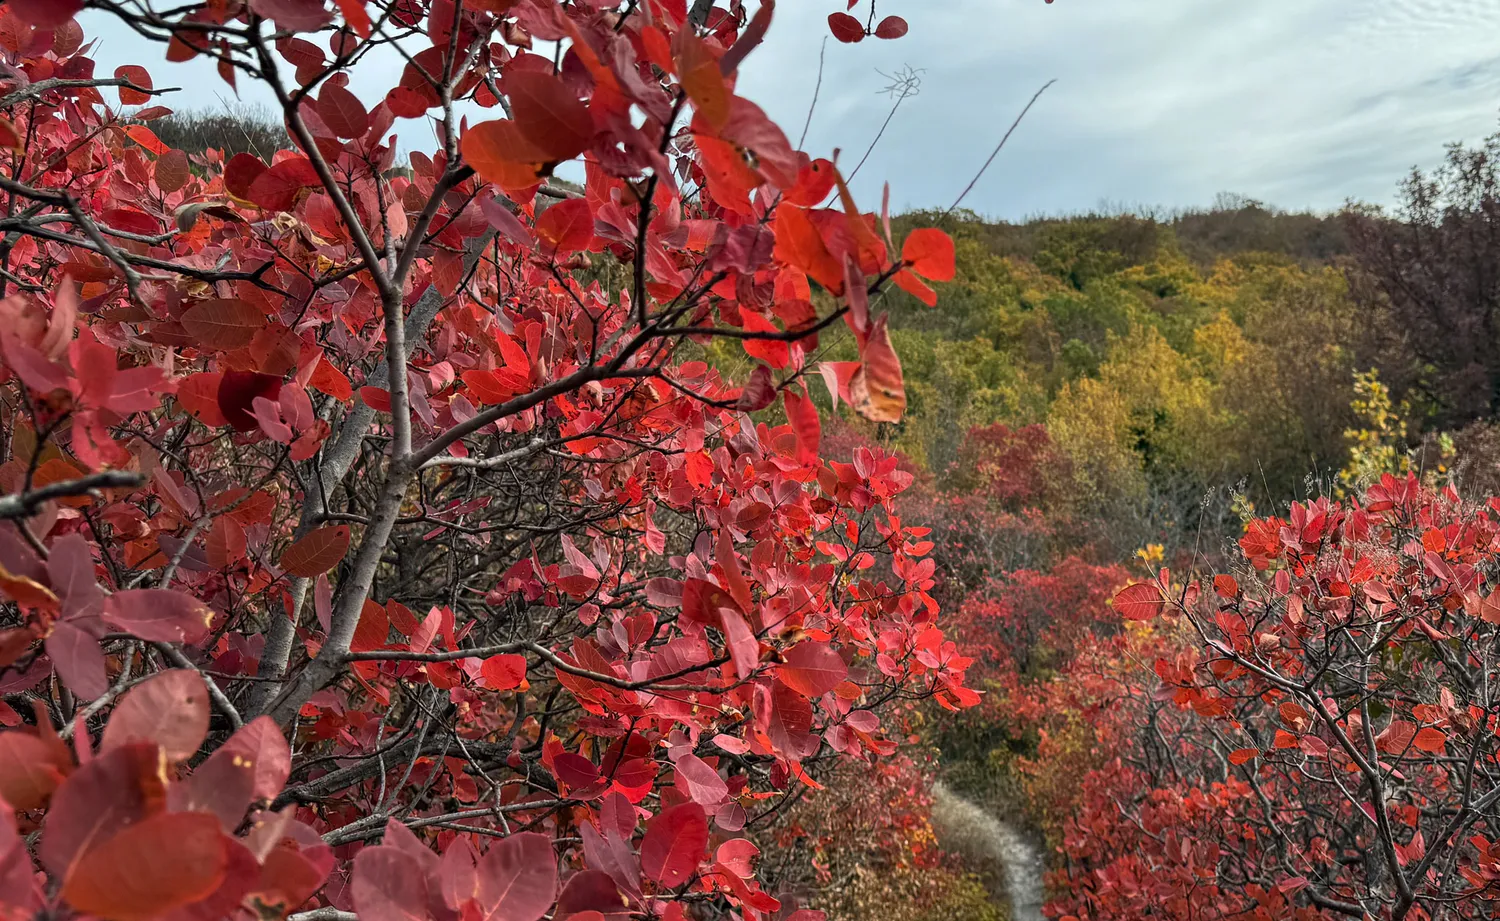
<point x="878" y="391"/>
<point x="798" y="244"/>
<point x="929" y="253"/>
<point x="329" y="379"/>
<point x="914" y="286"/>
<point x="146" y="138"/>
<point x="701" y="78"/>
<point x="1141" y="601"/>
<point x="149" y="869"/>
<point x="356" y="16"/>
<point x="1431" y="740"/>
<point x="1242" y="755"/>
<point x="499" y="153"/>
<point x="317" y="552"/>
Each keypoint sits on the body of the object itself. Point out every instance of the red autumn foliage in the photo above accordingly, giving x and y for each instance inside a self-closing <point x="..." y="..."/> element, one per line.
<point x="1316" y="737"/>
<point x="344" y="505"/>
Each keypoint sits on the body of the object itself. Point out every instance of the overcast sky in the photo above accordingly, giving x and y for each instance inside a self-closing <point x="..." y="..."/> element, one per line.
<point x="1300" y="103"/>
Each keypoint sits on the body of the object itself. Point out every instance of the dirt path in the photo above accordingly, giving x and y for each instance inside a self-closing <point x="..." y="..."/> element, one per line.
<point x="986" y="840"/>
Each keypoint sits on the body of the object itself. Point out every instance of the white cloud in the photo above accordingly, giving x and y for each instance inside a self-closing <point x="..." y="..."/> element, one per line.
<point x="1303" y="104"/>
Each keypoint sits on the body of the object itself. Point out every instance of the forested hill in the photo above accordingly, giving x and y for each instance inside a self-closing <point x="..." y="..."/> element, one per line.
<point x="1168" y="356"/>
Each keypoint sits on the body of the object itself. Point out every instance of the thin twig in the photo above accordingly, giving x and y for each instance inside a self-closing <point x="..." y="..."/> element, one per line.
<point x="817" y="88"/>
<point x="996" y="152"/>
<point x="24" y="505"/>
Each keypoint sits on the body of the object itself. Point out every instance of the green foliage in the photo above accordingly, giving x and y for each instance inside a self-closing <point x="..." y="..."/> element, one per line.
<point x="243" y="129"/>
<point x="1168" y="358"/>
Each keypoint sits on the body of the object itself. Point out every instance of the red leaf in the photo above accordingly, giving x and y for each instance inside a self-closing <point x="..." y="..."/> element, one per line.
<point x="914" y="286"/>
<point x="814" y="182"/>
<point x="702" y="602"/>
<point x="753" y="34"/>
<point x="293" y="15"/>
<point x="548" y="114"/>
<point x="172" y="173"/>
<point x="223" y="323"/>
<point x="566" y="227"/>
<point x="240" y="174"/>
<point x="790" y="726"/>
<point x="158" y="615"/>
<point x="674" y="844"/>
<point x="377" y="398"/>
<point x="237" y="393"/>
<point x="330" y="380"/>
<point x="276" y="189"/>
<point x="774" y="352"/>
<point x="737" y="855"/>
<point x="589" y="893"/>
<point x="316" y="552"/>
<point x="342" y="111"/>
<point x="812" y="669"/>
<point x="845" y="28"/>
<point x="891" y="27"/>
<point x="226" y="544"/>
<point x="169" y="709"/>
<point x="31" y="767"/>
<point x="116" y="789"/>
<point x="138" y="75"/>
<point x="151" y="868"/>
<point x="1242" y="755"/>
<point x="387" y="884"/>
<point x="803" y="416"/>
<point x="517" y="878"/>
<point x="574" y="771"/>
<point x="759" y="391"/>
<point x="45" y="14"/>
<point x="503" y="672"/>
<point x="929" y="253"/>
<point x="1396" y="737"/>
<point x="1141" y="601"/>
<point x="799" y="244"/>
<point x="504" y="220"/>
<point x="1431" y="740"/>
<point x="744" y="649"/>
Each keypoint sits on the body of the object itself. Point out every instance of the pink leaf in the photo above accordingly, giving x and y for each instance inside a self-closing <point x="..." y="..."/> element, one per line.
<point x="388" y="885"/>
<point x="517" y="879"/>
<point x="702" y="782"/>
<point x="158" y="615"/>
